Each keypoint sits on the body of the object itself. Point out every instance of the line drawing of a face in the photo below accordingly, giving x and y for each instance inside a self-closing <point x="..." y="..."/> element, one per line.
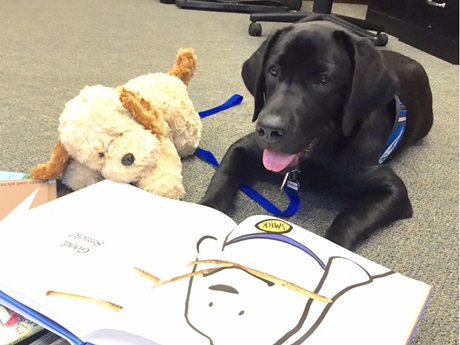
<point x="233" y="306"/>
<point x="226" y="298"/>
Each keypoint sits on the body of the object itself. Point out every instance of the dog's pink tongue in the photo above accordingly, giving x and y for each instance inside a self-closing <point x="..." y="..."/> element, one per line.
<point x="276" y="161"/>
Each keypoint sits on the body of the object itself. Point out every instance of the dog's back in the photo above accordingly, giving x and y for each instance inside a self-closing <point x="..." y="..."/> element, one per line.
<point x="415" y="93"/>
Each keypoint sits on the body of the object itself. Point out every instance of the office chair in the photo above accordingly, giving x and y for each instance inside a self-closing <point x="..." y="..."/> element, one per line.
<point x="324" y="7"/>
<point x="243" y="6"/>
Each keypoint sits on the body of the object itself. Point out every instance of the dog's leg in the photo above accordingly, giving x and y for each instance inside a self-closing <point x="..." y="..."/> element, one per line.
<point x="382" y="199"/>
<point x="242" y="160"/>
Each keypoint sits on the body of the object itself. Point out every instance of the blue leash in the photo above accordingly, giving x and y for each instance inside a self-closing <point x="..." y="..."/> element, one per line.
<point x="290" y="184"/>
<point x="231" y="102"/>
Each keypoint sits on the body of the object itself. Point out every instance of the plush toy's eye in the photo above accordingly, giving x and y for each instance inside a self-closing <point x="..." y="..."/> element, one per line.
<point x="128" y="159"/>
<point x="101" y="154"/>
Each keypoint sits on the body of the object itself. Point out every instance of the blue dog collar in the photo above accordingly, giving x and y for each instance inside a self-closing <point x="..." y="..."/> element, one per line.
<point x="397" y="132"/>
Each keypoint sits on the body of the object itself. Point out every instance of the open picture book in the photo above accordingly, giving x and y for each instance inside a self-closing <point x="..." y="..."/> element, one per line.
<point x="113" y="264"/>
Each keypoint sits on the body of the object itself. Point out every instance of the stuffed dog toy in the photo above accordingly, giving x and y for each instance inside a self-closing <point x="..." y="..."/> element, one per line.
<point x="135" y="133"/>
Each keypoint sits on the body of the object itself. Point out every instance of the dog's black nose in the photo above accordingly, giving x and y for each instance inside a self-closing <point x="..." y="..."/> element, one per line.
<point x="269" y="134"/>
<point x="128" y="159"/>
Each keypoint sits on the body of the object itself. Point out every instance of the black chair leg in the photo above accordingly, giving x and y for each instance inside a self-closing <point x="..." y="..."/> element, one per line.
<point x="360" y="27"/>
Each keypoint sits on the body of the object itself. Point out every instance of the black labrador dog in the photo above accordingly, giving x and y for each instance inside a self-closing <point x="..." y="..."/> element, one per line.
<point x="325" y="102"/>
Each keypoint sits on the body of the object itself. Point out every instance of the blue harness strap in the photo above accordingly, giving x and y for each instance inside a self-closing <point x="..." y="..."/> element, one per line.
<point x="397" y="133"/>
<point x="290" y="184"/>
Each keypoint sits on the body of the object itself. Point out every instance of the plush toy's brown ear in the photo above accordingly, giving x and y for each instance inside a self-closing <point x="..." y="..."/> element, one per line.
<point x="374" y="84"/>
<point x="142" y="111"/>
<point x="54" y="167"/>
<point x="185" y="65"/>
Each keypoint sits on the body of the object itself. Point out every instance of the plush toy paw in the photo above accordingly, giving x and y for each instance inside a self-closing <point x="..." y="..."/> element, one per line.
<point x="54" y="167"/>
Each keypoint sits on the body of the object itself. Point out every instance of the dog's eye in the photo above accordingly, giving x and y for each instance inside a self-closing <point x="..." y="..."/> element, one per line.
<point x="101" y="155"/>
<point x="324" y="79"/>
<point x="273" y="70"/>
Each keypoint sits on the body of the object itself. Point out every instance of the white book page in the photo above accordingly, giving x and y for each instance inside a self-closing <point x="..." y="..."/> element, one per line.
<point x="262" y="282"/>
<point x="88" y="244"/>
<point x="368" y="303"/>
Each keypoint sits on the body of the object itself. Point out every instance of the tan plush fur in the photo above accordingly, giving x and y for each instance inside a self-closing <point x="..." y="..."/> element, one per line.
<point x="56" y="164"/>
<point x="135" y="133"/>
<point x="168" y="93"/>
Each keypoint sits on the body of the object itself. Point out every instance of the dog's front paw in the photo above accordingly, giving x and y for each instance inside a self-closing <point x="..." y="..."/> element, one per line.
<point x="341" y="239"/>
<point x="220" y="204"/>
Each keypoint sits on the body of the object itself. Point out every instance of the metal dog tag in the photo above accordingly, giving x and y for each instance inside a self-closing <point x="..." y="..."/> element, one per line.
<point x="290" y="180"/>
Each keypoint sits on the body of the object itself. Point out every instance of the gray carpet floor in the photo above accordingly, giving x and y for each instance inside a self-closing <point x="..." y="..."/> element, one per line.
<point x="51" y="49"/>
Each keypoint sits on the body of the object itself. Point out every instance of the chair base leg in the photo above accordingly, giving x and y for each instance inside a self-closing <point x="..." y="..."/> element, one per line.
<point x="364" y="29"/>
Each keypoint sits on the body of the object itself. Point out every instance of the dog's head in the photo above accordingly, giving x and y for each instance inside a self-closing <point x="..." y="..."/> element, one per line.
<point x="308" y="79"/>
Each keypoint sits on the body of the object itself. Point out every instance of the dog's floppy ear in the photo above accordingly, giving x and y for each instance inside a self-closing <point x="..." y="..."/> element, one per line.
<point x="253" y="72"/>
<point x="374" y="84"/>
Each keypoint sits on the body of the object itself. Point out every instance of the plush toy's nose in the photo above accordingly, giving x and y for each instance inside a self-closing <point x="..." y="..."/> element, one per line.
<point x="128" y="159"/>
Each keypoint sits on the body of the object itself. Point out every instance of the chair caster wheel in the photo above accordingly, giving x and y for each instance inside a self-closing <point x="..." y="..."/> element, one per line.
<point x="255" y="29"/>
<point x="380" y="39"/>
<point x="294" y="5"/>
